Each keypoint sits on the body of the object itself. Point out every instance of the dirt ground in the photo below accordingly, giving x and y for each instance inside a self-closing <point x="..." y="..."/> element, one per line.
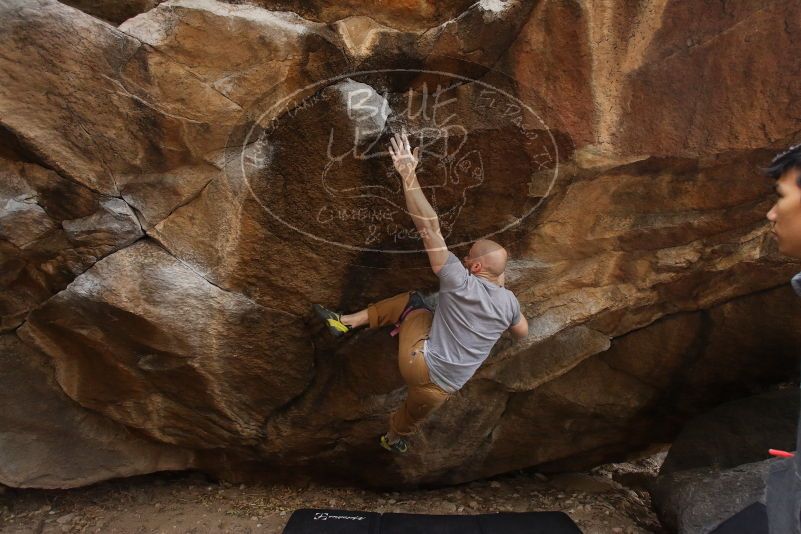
<point x="608" y="499"/>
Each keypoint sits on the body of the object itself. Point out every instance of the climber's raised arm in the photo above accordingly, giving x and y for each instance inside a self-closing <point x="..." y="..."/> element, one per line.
<point x="423" y="215"/>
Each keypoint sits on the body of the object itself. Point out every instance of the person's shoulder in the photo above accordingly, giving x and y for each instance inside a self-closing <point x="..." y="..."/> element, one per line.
<point x="452" y="273"/>
<point x="512" y="298"/>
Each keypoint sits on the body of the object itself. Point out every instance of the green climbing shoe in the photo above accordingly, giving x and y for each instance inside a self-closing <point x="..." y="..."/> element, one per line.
<point x="331" y="319"/>
<point x="400" y="446"/>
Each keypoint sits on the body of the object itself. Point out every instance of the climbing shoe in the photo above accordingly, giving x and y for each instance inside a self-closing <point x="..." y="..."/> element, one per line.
<point x="400" y="446"/>
<point x="332" y="320"/>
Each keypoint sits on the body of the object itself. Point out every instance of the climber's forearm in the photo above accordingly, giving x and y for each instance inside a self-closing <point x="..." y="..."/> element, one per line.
<point x="420" y="209"/>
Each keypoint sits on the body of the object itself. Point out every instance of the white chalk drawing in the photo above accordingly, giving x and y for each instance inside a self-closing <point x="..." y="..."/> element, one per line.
<point x="450" y="170"/>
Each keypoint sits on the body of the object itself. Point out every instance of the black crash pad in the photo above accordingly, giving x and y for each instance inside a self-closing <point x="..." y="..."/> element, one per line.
<point x="321" y="521"/>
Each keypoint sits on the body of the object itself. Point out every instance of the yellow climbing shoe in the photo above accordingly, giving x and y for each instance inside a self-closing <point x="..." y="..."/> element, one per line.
<point x="400" y="446"/>
<point x="332" y="320"/>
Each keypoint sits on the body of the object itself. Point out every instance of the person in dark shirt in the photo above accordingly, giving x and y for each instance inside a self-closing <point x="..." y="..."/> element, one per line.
<point x="783" y="495"/>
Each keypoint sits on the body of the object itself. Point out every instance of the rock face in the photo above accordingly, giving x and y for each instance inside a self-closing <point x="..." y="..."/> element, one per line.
<point x="51" y="230"/>
<point x="699" y="500"/>
<point x="723" y="455"/>
<point x="737" y="432"/>
<point x="220" y="350"/>
<point x="115" y="11"/>
<point x="176" y="192"/>
<point x="49" y="441"/>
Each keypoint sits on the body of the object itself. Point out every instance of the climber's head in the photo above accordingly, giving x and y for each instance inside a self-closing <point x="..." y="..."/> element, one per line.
<point x="785" y="215"/>
<point x="486" y="258"/>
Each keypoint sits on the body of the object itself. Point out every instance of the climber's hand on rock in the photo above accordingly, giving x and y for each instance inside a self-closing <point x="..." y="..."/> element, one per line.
<point x="404" y="159"/>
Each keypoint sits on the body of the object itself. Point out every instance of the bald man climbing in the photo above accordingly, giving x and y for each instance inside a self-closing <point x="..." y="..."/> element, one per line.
<point x="443" y="338"/>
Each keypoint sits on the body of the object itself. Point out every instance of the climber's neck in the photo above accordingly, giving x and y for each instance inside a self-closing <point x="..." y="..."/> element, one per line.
<point x="497" y="280"/>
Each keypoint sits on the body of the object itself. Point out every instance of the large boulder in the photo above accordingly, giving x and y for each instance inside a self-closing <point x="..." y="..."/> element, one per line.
<point x="144" y="115"/>
<point x="258" y="54"/>
<point x="51" y="230"/>
<point x="174" y="356"/>
<point x="719" y="463"/>
<point x="170" y="211"/>
<point x="737" y="432"/>
<point x="409" y="16"/>
<point x="696" y="501"/>
<point x="667" y="78"/>
<point x="49" y="441"/>
<point x="114" y="11"/>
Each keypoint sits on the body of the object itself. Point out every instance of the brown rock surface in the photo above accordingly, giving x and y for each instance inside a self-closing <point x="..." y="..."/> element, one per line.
<point x="48" y="441"/>
<point x="114" y="11"/>
<point x="171" y="209"/>
<point x="51" y="230"/>
<point x="257" y="53"/>
<point x="404" y="14"/>
<point x="143" y="339"/>
<point x="665" y="77"/>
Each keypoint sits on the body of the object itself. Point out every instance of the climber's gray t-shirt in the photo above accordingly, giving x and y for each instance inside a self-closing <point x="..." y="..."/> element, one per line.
<point x="470" y="316"/>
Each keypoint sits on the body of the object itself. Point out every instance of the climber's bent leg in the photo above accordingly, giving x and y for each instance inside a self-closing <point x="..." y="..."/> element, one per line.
<point x="421" y="401"/>
<point x="356" y="319"/>
<point x="381" y="313"/>
<point x="423" y="395"/>
<point x="387" y="311"/>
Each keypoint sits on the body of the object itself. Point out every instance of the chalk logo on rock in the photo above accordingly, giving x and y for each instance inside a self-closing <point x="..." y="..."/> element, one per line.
<point x="325" y="516"/>
<point x="317" y="160"/>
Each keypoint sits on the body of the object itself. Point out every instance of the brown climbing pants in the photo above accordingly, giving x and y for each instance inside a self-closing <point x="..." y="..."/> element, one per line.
<point x="423" y="395"/>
